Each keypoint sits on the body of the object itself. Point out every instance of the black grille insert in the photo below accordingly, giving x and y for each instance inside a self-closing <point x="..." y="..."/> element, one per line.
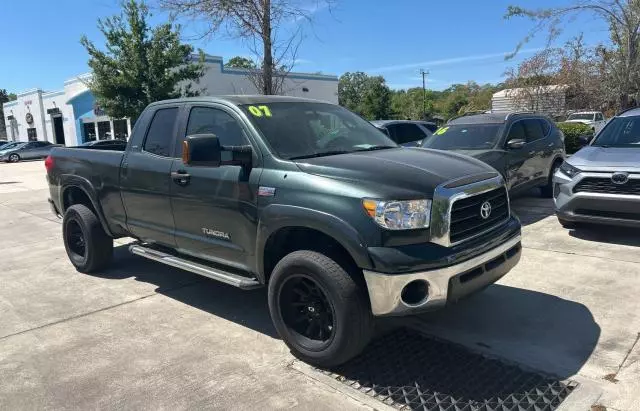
<point x="410" y="371"/>
<point x="605" y="185"/>
<point x="466" y="220"/>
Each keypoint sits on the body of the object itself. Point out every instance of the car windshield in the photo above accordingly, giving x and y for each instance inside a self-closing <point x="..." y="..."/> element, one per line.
<point x="580" y="116"/>
<point x="296" y="130"/>
<point x="464" y="137"/>
<point x="620" y="132"/>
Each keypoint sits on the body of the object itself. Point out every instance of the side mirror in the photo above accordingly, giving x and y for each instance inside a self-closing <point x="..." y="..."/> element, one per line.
<point x="585" y="139"/>
<point x="516" y="143"/>
<point x="201" y="150"/>
<point x="204" y="150"/>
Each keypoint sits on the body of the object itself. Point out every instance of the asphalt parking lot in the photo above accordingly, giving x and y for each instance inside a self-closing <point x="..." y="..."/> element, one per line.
<point x="142" y="335"/>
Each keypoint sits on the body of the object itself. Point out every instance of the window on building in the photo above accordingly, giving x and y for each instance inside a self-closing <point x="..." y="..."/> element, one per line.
<point x="120" y="130"/>
<point x="89" y="132"/>
<point x="207" y="120"/>
<point x="32" y="134"/>
<point x="160" y="134"/>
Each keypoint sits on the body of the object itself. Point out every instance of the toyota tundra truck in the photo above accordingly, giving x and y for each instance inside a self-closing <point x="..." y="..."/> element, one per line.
<point x="305" y="198"/>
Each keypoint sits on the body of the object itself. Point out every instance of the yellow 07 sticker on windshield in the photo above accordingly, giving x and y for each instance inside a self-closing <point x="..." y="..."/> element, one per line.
<point x="260" y="111"/>
<point x="441" y="130"/>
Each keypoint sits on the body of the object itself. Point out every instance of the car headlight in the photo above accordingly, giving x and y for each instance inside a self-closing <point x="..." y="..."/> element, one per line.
<point x="399" y="215"/>
<point x="569" y="170"/>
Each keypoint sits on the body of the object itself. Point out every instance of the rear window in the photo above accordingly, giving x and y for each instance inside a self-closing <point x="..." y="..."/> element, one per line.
<point x="160" y="135"/>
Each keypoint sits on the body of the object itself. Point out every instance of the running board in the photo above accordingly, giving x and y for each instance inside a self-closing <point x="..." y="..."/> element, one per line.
<point x="235" y="280"/>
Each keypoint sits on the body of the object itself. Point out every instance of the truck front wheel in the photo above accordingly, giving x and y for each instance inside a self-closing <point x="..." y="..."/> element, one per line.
<point x="318" y="309"/>
<point x="89" y="248"/>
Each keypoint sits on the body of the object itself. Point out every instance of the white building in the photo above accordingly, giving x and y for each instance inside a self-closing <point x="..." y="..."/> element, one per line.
<point x="544" y="99"/>
<point x="71" y="117"/>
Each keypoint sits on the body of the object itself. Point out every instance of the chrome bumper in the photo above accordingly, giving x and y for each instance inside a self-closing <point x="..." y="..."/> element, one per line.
<point x="385" y="290"/>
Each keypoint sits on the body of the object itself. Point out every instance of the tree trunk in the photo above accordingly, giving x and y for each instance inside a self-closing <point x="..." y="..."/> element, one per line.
<point x="267" y="60"/>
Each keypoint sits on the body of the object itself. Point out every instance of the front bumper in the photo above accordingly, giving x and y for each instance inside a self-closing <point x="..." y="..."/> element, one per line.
<point x="446" y="284"/>
<point x="596" y="208"/>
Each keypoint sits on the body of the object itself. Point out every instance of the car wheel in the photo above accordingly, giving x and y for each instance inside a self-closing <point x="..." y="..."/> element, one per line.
<point x="567" y="224"/>
<point x="318" y="309"/>
<point x="547" y="190"/>
<point x="14" y="158"/>
<point x="88" y="246"/>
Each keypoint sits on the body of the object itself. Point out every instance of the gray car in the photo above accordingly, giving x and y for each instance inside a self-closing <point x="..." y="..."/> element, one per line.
<point x="25" y="151"/>
<point x="601" y="182"/>
<point x="526" y="148"/>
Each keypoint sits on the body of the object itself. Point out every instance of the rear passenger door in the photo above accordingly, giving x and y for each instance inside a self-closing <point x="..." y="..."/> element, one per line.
<point x="145" y="178"/>
<point x="519" y="167"/>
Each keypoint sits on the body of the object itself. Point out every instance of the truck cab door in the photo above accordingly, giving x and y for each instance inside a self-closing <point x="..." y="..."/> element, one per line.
<point x="145" y="178"/>
<point x="215" y="208"/>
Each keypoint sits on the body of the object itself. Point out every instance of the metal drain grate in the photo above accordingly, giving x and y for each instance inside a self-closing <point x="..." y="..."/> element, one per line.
<point x="410" y="371"/>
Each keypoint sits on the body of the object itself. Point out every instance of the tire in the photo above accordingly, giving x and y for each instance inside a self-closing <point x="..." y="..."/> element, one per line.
<point x="547" y="190"/>
<point x="345" y="302"/>
<point x="567" y="224"/>
<point x="14" y="158"/>
<point x="89" y="248"/>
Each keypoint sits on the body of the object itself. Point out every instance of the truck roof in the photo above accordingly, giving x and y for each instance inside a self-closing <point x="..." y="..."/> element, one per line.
<point x="241" y="99"/>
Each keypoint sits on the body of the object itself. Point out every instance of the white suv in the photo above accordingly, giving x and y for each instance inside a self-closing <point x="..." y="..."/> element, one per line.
<point x="594" y="119"/>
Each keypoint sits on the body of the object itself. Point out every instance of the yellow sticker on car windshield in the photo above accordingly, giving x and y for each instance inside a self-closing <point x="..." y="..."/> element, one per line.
<point x="441" y="130"/>
<point x="260" y="111"/>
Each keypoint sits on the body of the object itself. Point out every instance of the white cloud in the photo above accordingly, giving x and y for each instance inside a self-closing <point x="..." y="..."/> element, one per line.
<point x="448" y="61"/>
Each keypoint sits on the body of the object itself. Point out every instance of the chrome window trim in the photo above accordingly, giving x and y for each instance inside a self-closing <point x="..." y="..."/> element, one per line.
<point x="443" y="200"/>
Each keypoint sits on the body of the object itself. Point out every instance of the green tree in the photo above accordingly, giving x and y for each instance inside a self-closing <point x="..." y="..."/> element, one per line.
<point x="366" y="95"/>
<point x="241" y="62"/>
<point x="141" y="64"/>
<point x="5" y="97"/>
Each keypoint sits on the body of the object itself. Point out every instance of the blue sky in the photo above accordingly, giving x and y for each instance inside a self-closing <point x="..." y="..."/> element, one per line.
<point x="456" y="41"/>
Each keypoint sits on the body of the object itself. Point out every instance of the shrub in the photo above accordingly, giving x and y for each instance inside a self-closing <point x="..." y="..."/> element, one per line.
<point x="572" y="132"/>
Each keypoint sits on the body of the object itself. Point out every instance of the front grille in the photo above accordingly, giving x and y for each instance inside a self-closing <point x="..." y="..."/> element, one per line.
<point x="466" y="219"/>
<point x="606" y="186"/>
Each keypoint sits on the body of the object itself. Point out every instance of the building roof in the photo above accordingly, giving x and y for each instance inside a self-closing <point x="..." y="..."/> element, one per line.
<point x="508" y="92"/>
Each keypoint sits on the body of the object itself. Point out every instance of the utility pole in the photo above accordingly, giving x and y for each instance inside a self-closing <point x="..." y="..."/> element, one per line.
<point x="424" y="93"/>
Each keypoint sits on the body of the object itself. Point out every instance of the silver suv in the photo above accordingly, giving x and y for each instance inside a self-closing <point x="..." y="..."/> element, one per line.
<point x="601" y="182"/>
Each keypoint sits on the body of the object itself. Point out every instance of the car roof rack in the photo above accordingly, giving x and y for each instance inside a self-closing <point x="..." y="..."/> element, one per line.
<point x="515" y="113"/>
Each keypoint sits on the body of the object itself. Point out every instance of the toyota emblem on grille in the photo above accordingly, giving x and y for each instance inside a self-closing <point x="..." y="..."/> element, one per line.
<point x="620" y="178"/>
<point x="485" y="210"/>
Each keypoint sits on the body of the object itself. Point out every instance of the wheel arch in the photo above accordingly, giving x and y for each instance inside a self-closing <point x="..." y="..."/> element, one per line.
<point x="284" y="229"/>
<point x="78" y="190"/>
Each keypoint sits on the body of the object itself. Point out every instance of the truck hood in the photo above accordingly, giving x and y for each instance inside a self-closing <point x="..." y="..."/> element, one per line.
<point x="579" y="121"/>
<point x="417" y="170"/>
<point x="615" y="158"/>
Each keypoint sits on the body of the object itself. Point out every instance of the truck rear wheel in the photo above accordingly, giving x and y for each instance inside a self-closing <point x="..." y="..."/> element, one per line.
<point x="89" y="248"/>
<point x="318" y="309"/>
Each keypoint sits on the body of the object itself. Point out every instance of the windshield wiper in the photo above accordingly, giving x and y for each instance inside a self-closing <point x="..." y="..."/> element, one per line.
<point x="374" y="148"/>
<point x="321" y="154"/>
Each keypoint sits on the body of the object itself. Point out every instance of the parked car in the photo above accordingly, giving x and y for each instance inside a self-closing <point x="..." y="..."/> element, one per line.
<point x="601" y="182"/>
<point x="407" y="133"/>
<point x="526" y="148"/>
<point x="302" y="197"/>
<point x="26" y="150"/>
<point x="4" y="143"/>
<point x="594" y="119"/>
<point x="106" y="144"/>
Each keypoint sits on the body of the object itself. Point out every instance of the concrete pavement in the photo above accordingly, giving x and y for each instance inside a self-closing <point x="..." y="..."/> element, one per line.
<point x="142" y="335"/>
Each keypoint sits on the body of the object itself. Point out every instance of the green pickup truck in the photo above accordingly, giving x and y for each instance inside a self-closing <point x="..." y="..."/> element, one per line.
<point x="302" y="197"/>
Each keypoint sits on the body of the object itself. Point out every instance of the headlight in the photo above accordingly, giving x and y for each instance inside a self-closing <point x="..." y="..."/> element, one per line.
<point x="399" y="215"/>
<point x="569" y="170"/>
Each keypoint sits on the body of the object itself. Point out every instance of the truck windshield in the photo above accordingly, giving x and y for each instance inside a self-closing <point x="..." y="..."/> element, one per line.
<point x="464" y="137"/>
<point x="581" y="116"/>
<point x="620" y="132"/>
<point x="296" y="130"/>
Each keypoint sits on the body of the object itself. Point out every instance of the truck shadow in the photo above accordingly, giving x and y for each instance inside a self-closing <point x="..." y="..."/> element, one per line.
<point x="538" y="330"/>
<point x="530" y="207"/>
<point x="603" y="234"/>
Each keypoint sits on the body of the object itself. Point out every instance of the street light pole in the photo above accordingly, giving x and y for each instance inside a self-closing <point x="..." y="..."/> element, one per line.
<point x="424" y="93"/>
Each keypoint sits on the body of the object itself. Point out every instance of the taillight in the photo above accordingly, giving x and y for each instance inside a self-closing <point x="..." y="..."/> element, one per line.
<point x="48" y="163"/>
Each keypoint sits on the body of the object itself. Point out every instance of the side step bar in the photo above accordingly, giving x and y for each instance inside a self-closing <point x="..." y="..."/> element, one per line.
<point x="235" y="280"/>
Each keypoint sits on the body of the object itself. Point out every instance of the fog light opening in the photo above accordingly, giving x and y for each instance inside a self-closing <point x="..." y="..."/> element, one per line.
<point x="415" y="293"/>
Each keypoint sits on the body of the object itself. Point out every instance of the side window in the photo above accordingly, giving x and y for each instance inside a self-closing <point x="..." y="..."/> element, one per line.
<point x="392" y="131"/>
<point x="546" y="127"/>
<point x="207" y="120"/>
<point x="407" y="133"/>
<point x="533" y="130"/>
<point x="160" y="134"/>
<point x="599" y="117"/>
<point x="517" y="131"/>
